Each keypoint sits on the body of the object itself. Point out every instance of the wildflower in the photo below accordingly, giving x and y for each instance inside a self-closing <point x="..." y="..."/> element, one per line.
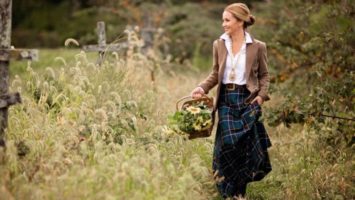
<point x="193" y="110"/>
<point x="207" y="124"/>
<point x="197" y="127"/>
<point x="199" y="119"/>
<point x="193" y="118"/>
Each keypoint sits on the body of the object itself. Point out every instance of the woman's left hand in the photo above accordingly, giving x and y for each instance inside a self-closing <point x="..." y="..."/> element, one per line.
<point x="258" y="99"/>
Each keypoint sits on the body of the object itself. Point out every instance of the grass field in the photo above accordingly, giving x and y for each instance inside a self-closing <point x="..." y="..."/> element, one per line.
<point x="88" y="132"/>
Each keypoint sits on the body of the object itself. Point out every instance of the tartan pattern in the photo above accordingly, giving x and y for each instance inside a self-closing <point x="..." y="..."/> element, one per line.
<point x="235" y="124"/>
<point x="240" y="153"/>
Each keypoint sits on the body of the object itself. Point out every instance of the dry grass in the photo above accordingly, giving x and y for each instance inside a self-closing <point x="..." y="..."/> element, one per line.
<point x="88" y="132"/>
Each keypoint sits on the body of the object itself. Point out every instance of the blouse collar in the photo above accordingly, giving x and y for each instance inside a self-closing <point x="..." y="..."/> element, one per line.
<point x="226" y="37"/>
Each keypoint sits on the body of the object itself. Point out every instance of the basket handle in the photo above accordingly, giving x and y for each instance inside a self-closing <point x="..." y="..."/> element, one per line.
<point x="186" y="97"/>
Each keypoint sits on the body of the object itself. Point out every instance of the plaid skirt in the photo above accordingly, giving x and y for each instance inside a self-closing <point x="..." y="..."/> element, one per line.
<point x="240" y="152"/>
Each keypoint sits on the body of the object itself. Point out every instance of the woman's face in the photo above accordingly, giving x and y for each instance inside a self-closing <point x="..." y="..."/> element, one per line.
<point x="230" y="23"/>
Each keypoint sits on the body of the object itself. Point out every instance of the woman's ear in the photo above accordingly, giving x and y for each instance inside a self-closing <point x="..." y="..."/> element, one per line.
<point x="240" y="22"/>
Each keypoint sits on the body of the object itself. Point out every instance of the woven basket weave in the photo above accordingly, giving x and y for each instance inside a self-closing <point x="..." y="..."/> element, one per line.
<point x="186" y="102"/>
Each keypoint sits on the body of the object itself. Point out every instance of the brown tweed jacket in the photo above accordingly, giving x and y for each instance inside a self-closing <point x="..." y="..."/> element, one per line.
<point x="256" y="70"/>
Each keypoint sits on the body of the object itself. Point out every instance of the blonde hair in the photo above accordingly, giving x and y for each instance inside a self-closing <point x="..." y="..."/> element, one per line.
<point x="241" y="12"/>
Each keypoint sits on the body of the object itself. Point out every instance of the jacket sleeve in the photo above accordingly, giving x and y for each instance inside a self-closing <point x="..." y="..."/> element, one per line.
<point x="263" y="73"/>
<point x="212" y="78"/>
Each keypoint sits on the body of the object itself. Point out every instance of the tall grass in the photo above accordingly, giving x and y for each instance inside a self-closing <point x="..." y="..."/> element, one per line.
<point x="99" y="132"/>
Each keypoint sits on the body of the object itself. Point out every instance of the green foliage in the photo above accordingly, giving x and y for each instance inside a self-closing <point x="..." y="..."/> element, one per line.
<point x="79" y="22"/>
<point x="320" y="52"/>
<point x="193" y="118"/>
<point x="311" y="56"/>
<point x="179" y="20"/>
<point x="183" y="24"/>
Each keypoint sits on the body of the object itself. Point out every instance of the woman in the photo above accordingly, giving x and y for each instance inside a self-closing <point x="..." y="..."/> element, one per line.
<point x="241" y="75"/>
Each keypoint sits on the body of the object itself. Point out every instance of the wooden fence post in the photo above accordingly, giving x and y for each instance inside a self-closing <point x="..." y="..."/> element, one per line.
<point x="6" y="53"/>
<point x="5" y="42"/>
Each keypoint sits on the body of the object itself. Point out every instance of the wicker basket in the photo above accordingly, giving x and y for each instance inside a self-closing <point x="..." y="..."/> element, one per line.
<point x="187" y="102"/>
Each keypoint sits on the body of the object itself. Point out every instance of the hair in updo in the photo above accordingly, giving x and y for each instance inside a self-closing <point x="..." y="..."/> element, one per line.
<point x="242" y="13"/>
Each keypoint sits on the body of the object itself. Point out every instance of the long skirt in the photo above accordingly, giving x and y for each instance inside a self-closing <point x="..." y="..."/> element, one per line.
<point x="240" y="153"/>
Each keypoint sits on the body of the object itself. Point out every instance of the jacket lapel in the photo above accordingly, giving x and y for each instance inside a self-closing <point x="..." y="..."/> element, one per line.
<point x="251" y="55"/>
<point x="222" y="59"/>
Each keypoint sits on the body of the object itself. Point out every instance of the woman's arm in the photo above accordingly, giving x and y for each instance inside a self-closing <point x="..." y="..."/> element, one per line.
<point x="263" y="73"/>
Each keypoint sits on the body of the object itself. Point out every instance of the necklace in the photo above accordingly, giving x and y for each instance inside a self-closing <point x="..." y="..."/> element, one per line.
<point x="232" y="75"/>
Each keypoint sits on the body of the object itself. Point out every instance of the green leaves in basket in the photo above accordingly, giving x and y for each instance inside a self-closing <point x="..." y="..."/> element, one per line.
<point x="193" y="118"/>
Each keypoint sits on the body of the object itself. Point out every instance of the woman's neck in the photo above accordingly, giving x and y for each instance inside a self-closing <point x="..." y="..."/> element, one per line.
<point x="237" y="36"/>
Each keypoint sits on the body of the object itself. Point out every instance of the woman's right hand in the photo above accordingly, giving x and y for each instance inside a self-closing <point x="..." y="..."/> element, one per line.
<point x="197" y="93"/>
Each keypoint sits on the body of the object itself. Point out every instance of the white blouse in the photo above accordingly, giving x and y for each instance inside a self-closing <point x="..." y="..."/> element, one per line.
<point x="238" y="62"/>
